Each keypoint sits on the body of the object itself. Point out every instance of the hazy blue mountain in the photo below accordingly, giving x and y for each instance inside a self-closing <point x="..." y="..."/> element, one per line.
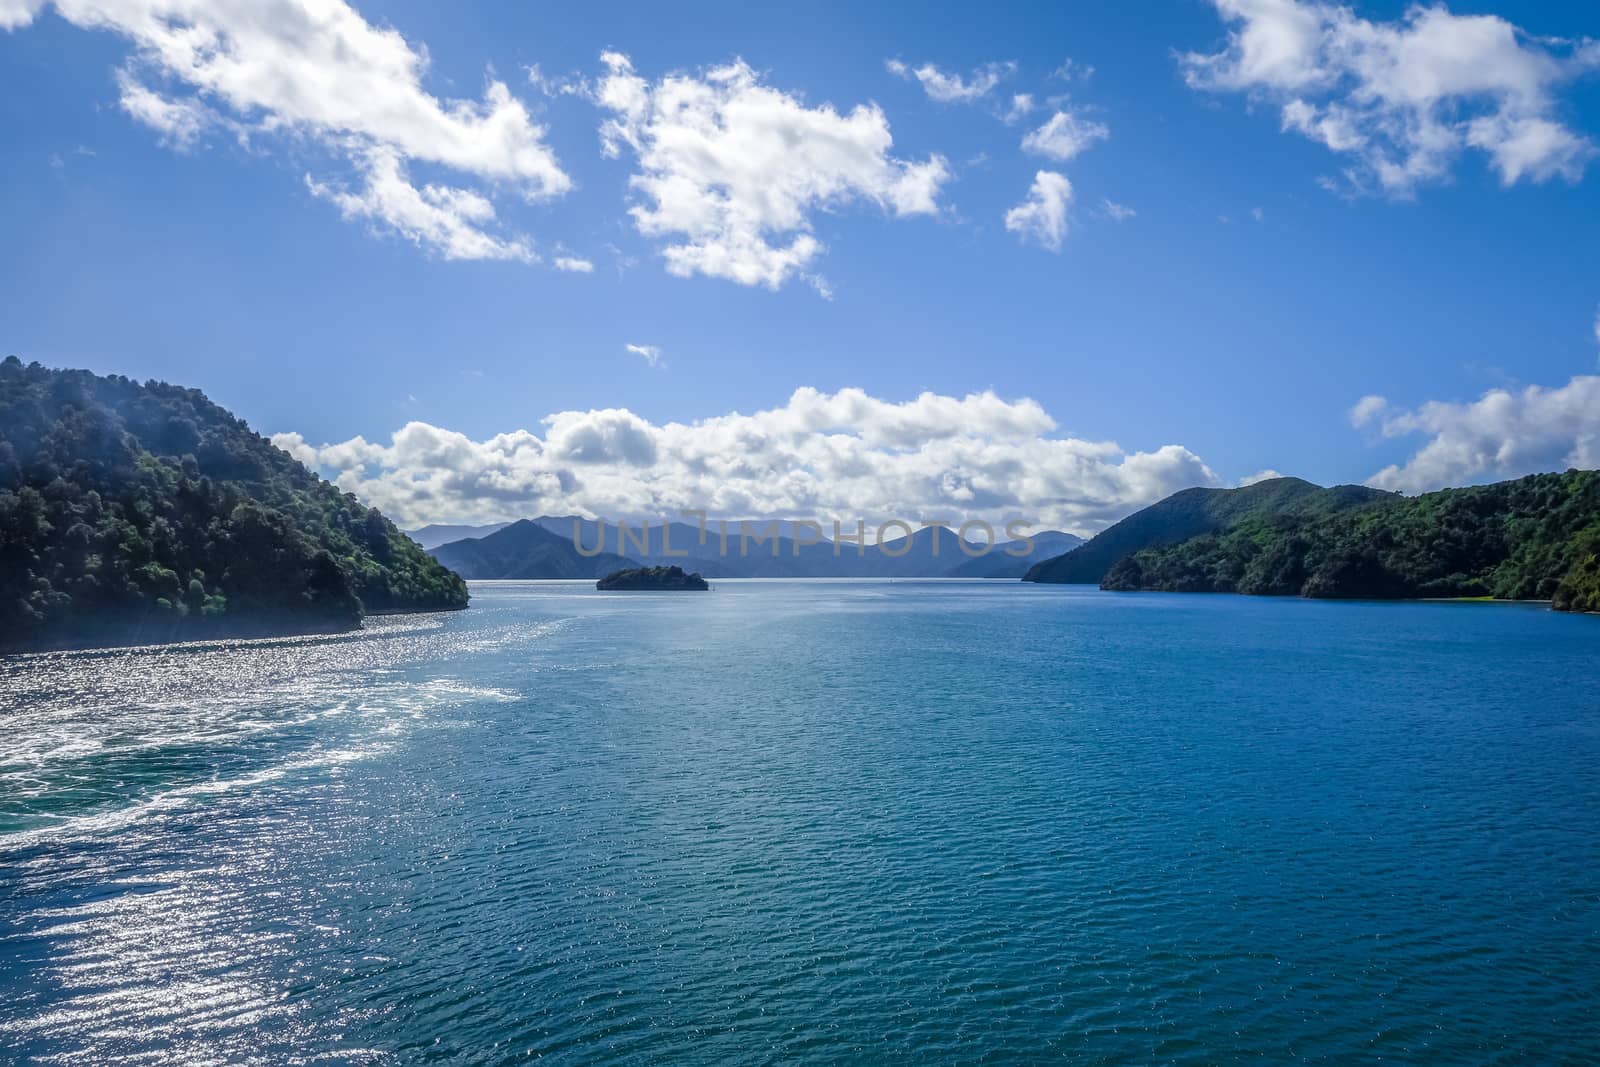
<point x="434" y="534"/>
<point x="1191" y="513"/>
<point x="648" y="546"/>
<point x="525" y="549"/>
<point x="932" y="552"/>
<point x="1000" y="563"/>
<point x="758" y="549"/>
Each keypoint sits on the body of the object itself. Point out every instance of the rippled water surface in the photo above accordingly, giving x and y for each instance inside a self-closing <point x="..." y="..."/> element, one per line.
<point x="814" y="822"/>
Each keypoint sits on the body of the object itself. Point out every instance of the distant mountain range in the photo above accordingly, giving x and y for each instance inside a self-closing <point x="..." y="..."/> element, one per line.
<point x="525" y="550"/>
<point x="432" y="536"/>
<point x="1533" y="538"/>
<point x="557" y="547"/>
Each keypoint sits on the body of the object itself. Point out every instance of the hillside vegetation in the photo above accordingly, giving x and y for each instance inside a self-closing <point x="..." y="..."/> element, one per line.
<point x="1191" y="513"/>
<point x="140" y="513"/>
<point x="1534" y="538"/>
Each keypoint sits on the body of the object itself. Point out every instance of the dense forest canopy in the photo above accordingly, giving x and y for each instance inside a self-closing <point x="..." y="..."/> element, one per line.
<point x="1534" y="538"/>
<point x="1192" y="512"/>
<point x="132" y="513"/>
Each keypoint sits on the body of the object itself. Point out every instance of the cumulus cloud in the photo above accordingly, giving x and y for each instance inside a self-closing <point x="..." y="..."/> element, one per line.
<point x="296" y="446"/>
<point x="730" y="170"/>
<point x="651" y="354"/>
<point x="1259" y="476"/>
<point x="1503" y="434"/>
<point x="844" y="455"/>
<point x="574" y="265"/>
<point x="1064" y="136"/>
<point x="953" y="88"/>
<point x="1042" y="216"/>
<point x="1404" y="98"/>
<point x="316" y="72"/>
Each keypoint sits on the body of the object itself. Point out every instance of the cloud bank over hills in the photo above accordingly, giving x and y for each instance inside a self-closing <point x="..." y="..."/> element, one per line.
<point x="1503" y="434"/>
<point x="848" y="455"/>
<point x="845" y="455"/>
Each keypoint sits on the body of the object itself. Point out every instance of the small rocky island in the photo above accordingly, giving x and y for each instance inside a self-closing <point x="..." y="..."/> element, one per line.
<point x="670" y="578"/>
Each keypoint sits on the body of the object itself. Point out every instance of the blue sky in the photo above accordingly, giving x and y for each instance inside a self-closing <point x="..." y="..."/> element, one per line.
<point x="162" y="221"/>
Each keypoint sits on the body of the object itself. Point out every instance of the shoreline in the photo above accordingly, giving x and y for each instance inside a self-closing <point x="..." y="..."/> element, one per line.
<point x="130" y="638"/>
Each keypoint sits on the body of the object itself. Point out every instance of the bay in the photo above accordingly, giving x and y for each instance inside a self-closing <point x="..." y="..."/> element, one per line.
<point x="814" y="822"/>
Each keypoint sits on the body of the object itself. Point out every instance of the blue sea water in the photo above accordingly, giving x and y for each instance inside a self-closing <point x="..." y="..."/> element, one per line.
<point x="824" y="822"/>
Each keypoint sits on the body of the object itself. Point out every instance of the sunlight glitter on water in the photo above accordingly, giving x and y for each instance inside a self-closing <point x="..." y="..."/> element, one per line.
<point x="97" y="740"/>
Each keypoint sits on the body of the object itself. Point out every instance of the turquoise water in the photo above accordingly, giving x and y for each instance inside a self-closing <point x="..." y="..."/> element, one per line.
<point x="814" y="823"/>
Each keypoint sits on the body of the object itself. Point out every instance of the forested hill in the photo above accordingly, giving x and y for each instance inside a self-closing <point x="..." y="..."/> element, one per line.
<point x="140" y="513"/>
<point x="1534" y="538"/>
<point x="1193" y="512"/>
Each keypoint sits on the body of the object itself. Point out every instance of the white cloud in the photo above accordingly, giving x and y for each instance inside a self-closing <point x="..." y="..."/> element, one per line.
<point x="1118" y="212"/>
<point x="1404" y="98"/>
<point x="15" y="13"/>
<point x="1503" y="434"/>
<point x="952" y="88"/>
<point x="1021" y="107"/>
<point x="844" y="455"/>
<point x="1367" y="409"/>
<point x="315" y="71"/>
<point x="1259" y="476"/>
<point x="179" y="122"/>
<point x="447" y="220"/>
<point x="611" y="438"/>
<point x="1064" y="136"/>
<point x="574" y="264"/>
<point x="650" y="353"/>
<point x="296" y="446"/>
<point x="1043" y="215"/>
<point x="1597" y="327"/>
<point x="730" y="170"/>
